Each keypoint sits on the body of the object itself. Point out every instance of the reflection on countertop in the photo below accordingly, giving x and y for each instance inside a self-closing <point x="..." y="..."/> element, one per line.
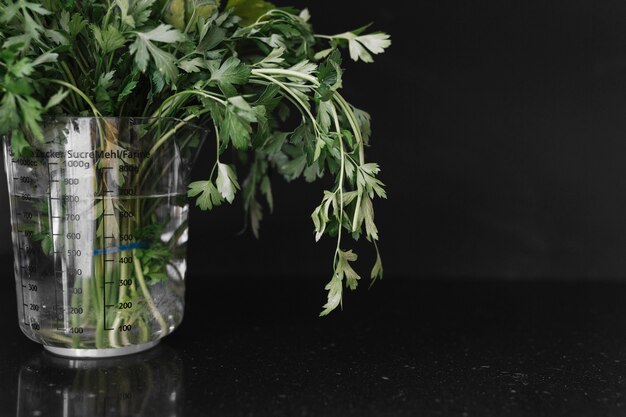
<point x="148" y="384"/>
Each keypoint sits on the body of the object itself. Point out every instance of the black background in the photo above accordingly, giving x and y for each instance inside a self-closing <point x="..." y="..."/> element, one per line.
<point x="500" y="129"/>
<point x="501" y="132"/>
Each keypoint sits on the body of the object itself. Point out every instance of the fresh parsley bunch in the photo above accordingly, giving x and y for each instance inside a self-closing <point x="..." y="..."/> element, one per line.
<point x="247" y="69"/>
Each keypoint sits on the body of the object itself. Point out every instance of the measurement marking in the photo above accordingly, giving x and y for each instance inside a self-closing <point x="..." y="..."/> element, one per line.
<point x="18" y="229"/>
<point x="108" y="330"/>
<point x="57" y="217"/>
<point x="104" y="265"/>
<point x="110" y="305"/>
<point x="25" y="305"/>
<point x="54" y="180"/>
<point x="110" y="214"/>
<point x="56" y="295"/>
<point x="106" y="168"/>
<point x="110" y="282"/>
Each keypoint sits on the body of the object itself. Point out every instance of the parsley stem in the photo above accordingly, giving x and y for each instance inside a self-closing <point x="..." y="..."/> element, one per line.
<point x="168" y="135"/>
<point x="295" y="96"/>
<point x="205" y="94"/>
<point x="353" y="124"/>
<point x="146" y="293"/>
<point x="340" y="185"/>
<point x="286" y="73"/>
<point x="217" y="149"/>
<point x="77" y="91"/>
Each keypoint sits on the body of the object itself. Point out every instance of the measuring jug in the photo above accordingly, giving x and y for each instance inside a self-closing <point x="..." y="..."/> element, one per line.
<point x="99" y="227"/>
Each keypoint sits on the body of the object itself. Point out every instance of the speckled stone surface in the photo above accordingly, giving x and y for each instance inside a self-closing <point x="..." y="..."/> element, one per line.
<point x="405" y="348"/>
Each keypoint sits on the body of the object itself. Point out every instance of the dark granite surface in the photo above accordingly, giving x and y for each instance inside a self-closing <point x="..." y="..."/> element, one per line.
<point x="406" y="348"/>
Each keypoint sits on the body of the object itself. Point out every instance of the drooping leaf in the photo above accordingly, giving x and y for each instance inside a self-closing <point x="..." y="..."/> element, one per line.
<point x="207" y="194"/>
<point x="361" y="47"/>
<point x="226" y="182"/>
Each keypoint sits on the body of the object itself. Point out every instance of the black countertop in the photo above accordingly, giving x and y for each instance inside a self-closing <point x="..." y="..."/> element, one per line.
<point x="406" y="348"/>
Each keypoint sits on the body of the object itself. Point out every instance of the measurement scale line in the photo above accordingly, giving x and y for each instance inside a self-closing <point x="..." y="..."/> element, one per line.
<point x="56" y="295"/>
<point x="103" y="193"/>
<point x="26" y="323"/>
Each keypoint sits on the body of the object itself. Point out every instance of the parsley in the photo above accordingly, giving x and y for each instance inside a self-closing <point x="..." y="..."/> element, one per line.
<point x="244" y="68"/>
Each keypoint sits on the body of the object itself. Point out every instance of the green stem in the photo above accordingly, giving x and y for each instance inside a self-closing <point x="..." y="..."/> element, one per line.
<point x="78" y="91"/>
<point x="148" y="297"/>
<point x="339" y="186"/>
<point x="286" y="73"/>
<point x="166" y="136"/>
<point x="303" y="106"/>
<point x="162" y="107"/>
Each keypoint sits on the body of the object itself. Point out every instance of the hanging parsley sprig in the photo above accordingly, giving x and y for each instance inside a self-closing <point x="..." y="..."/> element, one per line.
<point x="244" y="68"/>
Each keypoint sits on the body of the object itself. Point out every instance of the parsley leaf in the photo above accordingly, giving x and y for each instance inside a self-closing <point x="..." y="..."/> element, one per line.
<point x="226" y="182"/>
<point x="144" y="47"/>
<point x="208" y="195"/>
<point x="232" y="71"/>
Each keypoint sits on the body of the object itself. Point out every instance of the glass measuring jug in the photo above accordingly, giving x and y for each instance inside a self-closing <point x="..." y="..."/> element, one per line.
<point x="99" y="228"/>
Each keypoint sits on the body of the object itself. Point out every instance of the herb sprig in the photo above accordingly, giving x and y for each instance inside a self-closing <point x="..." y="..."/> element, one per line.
<point x="245" y="69"/>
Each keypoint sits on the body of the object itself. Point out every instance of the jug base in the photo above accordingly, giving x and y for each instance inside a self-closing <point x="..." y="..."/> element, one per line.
<point x="101" y="353"/>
